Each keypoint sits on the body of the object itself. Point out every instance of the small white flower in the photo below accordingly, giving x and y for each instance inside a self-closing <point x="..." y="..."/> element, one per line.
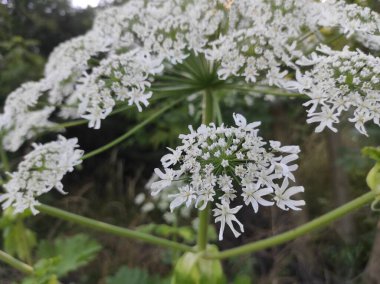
<point x="252" y="194"/>
<point x="283" y="195"/>
<point x="185" y="195"/>
<point x="170" y="159"/>
<point x="166" y="180"/>
<point x="326" y="118"/>
<point x="242" y="122"/>
<point x="224" y="163"/>
<point x="226" y="215"/>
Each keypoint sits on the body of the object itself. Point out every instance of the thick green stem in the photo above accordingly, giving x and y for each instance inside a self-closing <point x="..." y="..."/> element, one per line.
<point x="203" y="228"/>
<point x="15" y="263"/>
<point x="207" y="108"/>
<point x="111" y="229"/>
<point x="317" y="223"/>
<point x="130" y="132"/>
<point x="207" y="117"/>
<point x="4" y="157"/>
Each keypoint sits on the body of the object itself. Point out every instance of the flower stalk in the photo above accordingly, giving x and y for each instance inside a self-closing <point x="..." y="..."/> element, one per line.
<point x="203" y="215"/>
<point x="130" y="132"/>
<point x="315" y="224"/>
<point x="15" y="263"/>
<point x="111" y="229"/>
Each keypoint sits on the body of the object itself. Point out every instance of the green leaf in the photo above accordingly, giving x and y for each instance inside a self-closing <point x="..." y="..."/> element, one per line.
<point x="372" y="152"/>
<point x="134" y="276"/>
<point x="191" y="268"/>
<point x="19" y="240"/>
<point x="373" y="178"/>
<point x="44" y="272"/>
<point x="72" y="252"/>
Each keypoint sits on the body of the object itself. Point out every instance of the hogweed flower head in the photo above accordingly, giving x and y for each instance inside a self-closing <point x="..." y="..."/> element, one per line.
<point x="133" y="47"/>
<point x="229" y="165"/>
<point x="39" y="172"/>
<point x="337" y="82"/>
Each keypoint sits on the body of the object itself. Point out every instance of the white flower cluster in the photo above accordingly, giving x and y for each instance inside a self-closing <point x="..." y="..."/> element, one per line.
<point x="127" y="77"/>
<point x="39" y="172"/>
<point x="117" y="60"/>
<point x="227" y="165"/>
<point x="338" y="82"/>
<point x="351" y="19"/>
<point x="22" y="119"/>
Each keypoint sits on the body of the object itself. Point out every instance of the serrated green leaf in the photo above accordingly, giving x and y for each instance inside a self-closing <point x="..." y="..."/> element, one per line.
<point x="72" y="252"/>
<point x="44" y="272"/>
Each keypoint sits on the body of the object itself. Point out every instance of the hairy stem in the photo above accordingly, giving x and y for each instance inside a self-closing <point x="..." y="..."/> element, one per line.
<point x="15" y="263"/>
<point x="317" y="223"/>
<point x="111" y="229"/>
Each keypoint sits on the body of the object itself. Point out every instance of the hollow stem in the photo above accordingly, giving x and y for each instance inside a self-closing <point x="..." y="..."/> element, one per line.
<point x="315" y="224"/>
<point x="15" y="263"/>
<point x="111" y="229"/>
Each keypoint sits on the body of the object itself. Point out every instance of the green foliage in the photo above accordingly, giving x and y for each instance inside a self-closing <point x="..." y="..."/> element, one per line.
<point x="191" y="268"/>
<point x="373" y="177"/>
<point x="18" y="240"/>
<point x="44" y="272"/>
<point x="19" y="62"/>
<point x="244" y="267"/>
<point x="71" y="252"/>
<point x="47" y="21"/>
<point x="372" y="152"/>
<point x="29" y="30"/>
<point x="242" y="279"/>
<point x="58" y="258"/>
<point x="135" y="276"/>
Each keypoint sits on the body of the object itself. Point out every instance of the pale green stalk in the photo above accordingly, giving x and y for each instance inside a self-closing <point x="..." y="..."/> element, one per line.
<point x="111" y="229"/>
<point x="315" y="224"/>
<point x="15" y="263"/>
<point x="130" y="132"/>
<point x="203" y="215"/>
